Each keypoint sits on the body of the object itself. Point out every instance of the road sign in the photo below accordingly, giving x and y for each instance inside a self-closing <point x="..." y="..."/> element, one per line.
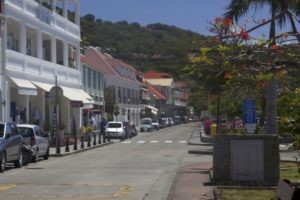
<point x="249" y="111"/>
<point x="55" y="94"/>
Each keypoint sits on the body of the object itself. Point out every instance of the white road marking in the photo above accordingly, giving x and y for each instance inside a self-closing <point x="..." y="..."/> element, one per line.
<point x="168" y="141"/>
<point x="126" y="142"/>
<point x="182" y="141"/>
<point x="140" y="142"/>
<point x="154" y="141"/>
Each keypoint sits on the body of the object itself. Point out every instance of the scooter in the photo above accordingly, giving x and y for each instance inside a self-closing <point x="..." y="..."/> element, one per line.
<point x="26" y="154"/>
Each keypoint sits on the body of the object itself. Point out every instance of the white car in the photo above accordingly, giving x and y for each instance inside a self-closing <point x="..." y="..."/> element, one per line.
<point x="115" y="130"/>
<point x="37" y="139"/>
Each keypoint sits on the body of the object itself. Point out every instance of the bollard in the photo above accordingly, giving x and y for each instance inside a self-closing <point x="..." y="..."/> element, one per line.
<point x="108" y="137"/>
<point x="67" y="149"/>
<point x="94" y="143"/>
<point x="104" y="138"/>
<point x="99" y="138"/>
<point x="89" y="141"/>
<point x="82" y="142"/>
<point x="75" y="143"/>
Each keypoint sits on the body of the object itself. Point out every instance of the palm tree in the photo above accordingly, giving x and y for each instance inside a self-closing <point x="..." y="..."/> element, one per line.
<point x="287" y="9"/>
<point x="284" y="9"/>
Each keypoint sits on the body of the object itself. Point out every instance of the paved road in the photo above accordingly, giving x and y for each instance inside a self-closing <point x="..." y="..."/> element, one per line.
<point x="141" y="168"/>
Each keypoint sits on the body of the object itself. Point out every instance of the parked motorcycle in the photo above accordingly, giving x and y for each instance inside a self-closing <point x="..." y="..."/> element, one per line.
<point x="26" y="154"/>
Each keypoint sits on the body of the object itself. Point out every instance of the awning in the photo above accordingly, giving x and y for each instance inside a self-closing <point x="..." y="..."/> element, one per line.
<point x="25" y="87"/>
<point x="151" y="108"/>
<point x="44" y="86"/>
<point x="154" y="112"/>
<point x="73" y="94"/>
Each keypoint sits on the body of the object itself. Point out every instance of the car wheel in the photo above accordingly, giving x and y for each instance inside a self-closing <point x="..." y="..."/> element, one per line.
<point x="2" y="164"/>
<point x="35" y="158"/>
<point x="46" y="156"/>
<point x="19" y="162"/>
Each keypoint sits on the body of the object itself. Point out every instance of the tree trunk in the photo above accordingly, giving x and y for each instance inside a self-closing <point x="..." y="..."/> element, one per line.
<point x="271" y="107"/>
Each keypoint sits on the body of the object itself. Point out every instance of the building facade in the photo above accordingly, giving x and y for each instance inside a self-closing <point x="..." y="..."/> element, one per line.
<point x="41" y="49"/>
<point x="122" y="98"/>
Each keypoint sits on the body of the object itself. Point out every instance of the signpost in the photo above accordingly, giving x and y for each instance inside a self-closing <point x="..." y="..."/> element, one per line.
<point x="249" y="115"/>
<point x="56" y="93"/>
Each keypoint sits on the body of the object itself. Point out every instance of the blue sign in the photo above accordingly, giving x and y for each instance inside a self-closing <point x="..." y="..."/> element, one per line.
<point x="249" y="111"/>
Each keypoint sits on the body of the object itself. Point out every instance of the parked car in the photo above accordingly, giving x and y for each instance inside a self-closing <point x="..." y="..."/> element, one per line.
<point x="146" y="124"/>
<point x="37" y="139"/>
<point x="10" y="145"/>
<point x="115" y="130"/>
<point x="155" y="124"/>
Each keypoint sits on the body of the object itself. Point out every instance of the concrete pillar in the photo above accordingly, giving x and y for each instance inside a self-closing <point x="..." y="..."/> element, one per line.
<point x="39" y="42"/>
<point x="68" y="117"/>
<point x="23" y="38"/>
<point x="66" y="54"/>
<point x="53" y="50"/>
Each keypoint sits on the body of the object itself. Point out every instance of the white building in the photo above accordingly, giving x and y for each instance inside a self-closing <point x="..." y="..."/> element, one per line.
<point x="121" y="79"/>
<point x="41" y="42"/>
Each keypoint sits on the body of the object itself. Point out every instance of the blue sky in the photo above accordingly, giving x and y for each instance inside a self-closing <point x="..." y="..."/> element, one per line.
<point x="187" y="14"/>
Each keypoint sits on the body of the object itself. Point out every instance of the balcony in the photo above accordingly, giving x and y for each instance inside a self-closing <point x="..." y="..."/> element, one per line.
<point x="20" y="63"/>
<point x="34" y="10"/>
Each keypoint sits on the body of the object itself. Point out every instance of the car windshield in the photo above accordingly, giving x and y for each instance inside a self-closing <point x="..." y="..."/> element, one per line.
<point x="146" y="121"/>
<point x="25" y="132"/>
<point x="114" y="125"/>
<point x="1" y="130"/>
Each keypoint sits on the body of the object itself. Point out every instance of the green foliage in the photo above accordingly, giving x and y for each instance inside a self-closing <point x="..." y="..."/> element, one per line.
<point x="156" y="46"/>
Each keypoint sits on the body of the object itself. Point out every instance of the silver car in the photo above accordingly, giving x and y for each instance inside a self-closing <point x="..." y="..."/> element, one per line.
<point x="37" y="139"/>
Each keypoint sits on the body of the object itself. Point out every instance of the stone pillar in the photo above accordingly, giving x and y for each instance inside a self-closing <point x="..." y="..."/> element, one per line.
<point x="7" y="101"/>
<point x="27" y="108"/>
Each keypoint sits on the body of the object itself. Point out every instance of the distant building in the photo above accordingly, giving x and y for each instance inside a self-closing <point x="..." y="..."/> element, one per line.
<point x="122" y="81"/>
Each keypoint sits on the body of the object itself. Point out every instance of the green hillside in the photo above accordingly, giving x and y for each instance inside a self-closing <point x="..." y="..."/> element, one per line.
<point x="156" y="46"/>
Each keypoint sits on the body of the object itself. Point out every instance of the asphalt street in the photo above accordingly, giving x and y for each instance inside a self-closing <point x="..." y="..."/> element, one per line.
<point x="140" y="168"/>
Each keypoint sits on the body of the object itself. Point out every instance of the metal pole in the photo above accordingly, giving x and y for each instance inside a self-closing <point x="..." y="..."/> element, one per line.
<point x="55" y="115"/>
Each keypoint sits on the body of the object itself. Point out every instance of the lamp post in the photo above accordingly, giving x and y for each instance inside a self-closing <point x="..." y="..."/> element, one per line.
<point x="56" y="93"/>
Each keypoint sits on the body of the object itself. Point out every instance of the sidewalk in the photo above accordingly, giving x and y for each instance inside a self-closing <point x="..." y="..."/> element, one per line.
<point x="192" y="182"/>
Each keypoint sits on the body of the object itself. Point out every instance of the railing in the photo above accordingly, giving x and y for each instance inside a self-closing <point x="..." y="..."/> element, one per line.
<point x="45" y="15"/>
<point x="16" y="61"/>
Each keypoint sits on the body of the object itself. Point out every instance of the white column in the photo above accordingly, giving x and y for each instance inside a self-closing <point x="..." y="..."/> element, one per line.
<point x="53" y="6"/>
<point x="68" y="117"/>
<point x="7" y="102"/>
<point x="43" y="110"/>
<point x="24" y="4"/>
<point x="78" y="63"/>
<point x="53" y="50"/>
<point x="66" y="54"/>
<point x="65" y="8"/>
<point x="27" y="108"/>
<point x="23" y="38"/>
<point x="39" y="42"/>
<point x="77" y="13"/>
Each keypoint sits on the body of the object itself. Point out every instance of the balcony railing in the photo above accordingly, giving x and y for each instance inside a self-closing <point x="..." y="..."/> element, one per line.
<point x="35" y="10"/>
<point x="16" y="61"/>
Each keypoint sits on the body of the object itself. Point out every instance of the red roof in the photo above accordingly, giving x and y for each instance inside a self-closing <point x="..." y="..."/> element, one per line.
<point x="156" y="75"/>
<point x="106" y="63"/>
<point x="156" y="93"/>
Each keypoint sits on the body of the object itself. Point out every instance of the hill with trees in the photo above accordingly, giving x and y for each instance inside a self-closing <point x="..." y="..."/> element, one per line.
<point x="153" y="47"/>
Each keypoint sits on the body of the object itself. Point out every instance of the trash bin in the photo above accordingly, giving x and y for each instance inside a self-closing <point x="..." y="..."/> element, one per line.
<point x="213" y="129"/>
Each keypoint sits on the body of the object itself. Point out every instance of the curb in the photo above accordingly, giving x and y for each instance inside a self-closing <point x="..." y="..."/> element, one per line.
<point x="80" y="150"/>
<point x="203" y="152"/>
